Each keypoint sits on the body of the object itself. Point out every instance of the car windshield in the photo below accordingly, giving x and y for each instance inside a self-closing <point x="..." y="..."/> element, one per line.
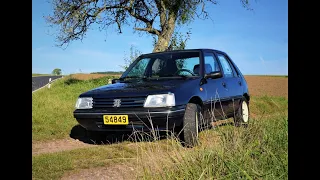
<point x="173" y="64"/>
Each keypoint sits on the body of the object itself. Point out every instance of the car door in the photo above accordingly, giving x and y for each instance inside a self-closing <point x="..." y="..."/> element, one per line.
<point x="231" y="82"/>
<point x="216" y="93"/>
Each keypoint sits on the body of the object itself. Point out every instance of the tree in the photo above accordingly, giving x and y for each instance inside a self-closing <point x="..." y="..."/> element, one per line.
<point x="179" y="41"/>
<point x="56" y="72"/>
<point x="134" y="54"/>
<point x="156" y="17"/>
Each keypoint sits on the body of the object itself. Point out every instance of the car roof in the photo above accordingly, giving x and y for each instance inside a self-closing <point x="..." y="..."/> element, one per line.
<point x="185" y="50"/>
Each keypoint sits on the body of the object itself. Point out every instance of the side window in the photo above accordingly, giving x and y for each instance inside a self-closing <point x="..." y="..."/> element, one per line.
<point x="211" y="63"/>
<point x="188" y="64"/>
<point x="157" y="66"/>
<point x="226" y="66"/>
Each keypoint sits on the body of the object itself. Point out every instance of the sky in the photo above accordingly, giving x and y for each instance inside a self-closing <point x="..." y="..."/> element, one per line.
<point x="257" y="40"/>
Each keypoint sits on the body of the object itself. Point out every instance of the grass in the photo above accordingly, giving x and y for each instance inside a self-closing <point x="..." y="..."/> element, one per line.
<point x="52" y="109"/>
<point x="226" y="152"/>
<point x="53" y="166"/>
<point x="37" y="74"/>
<point x="257" y="152"/>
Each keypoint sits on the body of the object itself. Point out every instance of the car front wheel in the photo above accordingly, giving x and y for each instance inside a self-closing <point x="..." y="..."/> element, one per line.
<point x="190" y="131"/>
<point x="241" y="118"/>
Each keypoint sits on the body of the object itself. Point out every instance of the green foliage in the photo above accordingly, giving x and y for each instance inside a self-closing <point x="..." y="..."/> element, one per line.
<point x="52" y="109"/>
<point x="56" y="72"/>
<point x="108" y="72"/>
<point x="37" y="74"/>
<point x="179" y="40"/>
<point x="70" y="81"/>
<point x="134" y="54"/>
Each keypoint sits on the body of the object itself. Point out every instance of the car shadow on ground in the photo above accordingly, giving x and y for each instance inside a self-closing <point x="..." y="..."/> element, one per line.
<point x="81" y="134"/>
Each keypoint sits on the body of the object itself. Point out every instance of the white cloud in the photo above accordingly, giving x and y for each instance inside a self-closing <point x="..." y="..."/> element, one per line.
<point x="262" y="60"/>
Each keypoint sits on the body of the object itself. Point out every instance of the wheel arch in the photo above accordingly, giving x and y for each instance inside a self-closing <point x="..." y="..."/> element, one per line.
<point x="246" y="95"/>
<point x="196" y="100"/>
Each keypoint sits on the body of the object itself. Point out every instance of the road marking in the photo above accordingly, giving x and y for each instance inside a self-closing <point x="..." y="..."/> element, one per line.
<point x="46" y="84"/>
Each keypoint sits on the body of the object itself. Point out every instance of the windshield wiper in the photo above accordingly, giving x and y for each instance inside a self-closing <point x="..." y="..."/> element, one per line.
<point x="183" y="76"/>
<point x="134" y="77"/>
<point x="174" y="76"/>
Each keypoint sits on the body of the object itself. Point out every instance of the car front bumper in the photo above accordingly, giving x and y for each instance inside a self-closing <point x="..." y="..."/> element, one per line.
<point x="140" y="119"/>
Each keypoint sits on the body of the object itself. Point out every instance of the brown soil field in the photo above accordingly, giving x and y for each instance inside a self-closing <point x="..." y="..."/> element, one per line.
<point x="258" y="85"/>
<point x="267" y="85"/>
<point x="91" y="76"/>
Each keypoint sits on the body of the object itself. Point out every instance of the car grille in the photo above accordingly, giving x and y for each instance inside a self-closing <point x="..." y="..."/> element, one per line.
<point x="125" y="102"/>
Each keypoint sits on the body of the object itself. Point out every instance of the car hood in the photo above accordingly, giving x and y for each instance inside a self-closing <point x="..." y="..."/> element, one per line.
<point x="136" y="88"/>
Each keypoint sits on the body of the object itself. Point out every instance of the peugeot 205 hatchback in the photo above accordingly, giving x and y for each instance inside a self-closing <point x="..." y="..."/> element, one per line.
<point x="181" y="91"/>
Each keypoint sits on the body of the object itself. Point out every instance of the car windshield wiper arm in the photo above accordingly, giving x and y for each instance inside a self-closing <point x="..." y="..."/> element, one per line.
<point x="175" y="76"/>
<point x="126" y="77"/>
<point x="182" y="76"/>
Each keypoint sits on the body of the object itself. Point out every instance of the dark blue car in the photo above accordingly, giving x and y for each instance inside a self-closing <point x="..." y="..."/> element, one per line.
<point x="181" y="91"/>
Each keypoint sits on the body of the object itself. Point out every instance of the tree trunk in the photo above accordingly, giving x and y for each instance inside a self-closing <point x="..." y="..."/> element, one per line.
<point x="162" y="43"/>
<point x="165" y="36"/>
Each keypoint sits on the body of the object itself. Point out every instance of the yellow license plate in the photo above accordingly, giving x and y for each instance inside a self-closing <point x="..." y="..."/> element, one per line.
<point x="115" y="119"/>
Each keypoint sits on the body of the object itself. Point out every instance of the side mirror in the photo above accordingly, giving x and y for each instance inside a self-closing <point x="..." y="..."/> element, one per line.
<point x="213" y="75"/>
<point x="113" y="81"/>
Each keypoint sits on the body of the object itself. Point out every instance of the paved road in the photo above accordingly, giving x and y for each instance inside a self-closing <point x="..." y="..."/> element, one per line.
<point x="40" y="81"/>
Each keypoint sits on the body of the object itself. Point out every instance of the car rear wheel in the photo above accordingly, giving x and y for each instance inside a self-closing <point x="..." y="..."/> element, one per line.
<point x="190" y="129"/>
<point x="241" y="118"/>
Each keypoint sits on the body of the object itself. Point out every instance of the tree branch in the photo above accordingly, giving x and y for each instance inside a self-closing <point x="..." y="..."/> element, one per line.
<point x="74" y="17"/>
<point x="162" y="13"/>
<point x="137" y="16"/>
<point x="150" y="30"/>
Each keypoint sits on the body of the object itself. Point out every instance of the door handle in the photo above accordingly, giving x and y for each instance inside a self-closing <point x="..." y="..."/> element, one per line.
<point x="224" y="84"/>
<point x="239" y="83"/>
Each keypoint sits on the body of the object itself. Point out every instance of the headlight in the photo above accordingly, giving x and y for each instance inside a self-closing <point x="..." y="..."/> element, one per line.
<point x="84" y="103"/>
<point x="160" y="100"/>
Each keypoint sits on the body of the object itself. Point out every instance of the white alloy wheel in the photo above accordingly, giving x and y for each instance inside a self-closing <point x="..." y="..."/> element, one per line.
<point x="245" y="112"/>
<point x="197" y="125"/>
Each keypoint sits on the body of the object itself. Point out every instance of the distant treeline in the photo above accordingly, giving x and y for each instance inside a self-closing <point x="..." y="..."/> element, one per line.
<point x="108" y="72"/>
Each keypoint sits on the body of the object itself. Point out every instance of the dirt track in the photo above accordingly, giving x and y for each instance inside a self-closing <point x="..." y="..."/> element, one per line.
<point x="57" y="145"/>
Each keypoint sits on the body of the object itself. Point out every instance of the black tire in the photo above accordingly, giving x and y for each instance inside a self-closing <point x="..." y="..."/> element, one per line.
<point x="240" y="118"/>
<point x="190" y="128"/>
